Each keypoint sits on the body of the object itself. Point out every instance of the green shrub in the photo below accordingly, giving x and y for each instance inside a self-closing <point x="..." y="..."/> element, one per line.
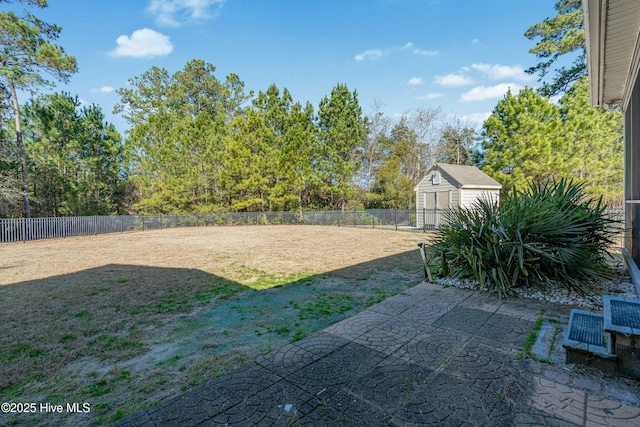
<point x="550" y="232"/>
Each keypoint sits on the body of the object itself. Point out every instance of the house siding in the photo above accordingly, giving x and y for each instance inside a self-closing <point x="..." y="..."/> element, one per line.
<point x="632" y="173"/>
<point x="469" y="196"/>
<point x="459" y="186"/>
<point x="445" y="190"/>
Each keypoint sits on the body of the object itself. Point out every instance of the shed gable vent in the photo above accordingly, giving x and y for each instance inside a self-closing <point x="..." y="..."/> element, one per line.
<point x="435" y="178"/>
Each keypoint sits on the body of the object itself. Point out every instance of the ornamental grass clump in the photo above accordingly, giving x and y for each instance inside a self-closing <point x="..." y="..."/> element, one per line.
<point x="553" y="232"/>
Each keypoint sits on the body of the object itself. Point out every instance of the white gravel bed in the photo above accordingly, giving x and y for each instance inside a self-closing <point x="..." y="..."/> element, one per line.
<point x="619" y="285"/>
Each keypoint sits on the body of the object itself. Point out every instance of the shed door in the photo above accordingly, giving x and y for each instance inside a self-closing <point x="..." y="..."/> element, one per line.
<point x="443" y="199"/>
<point x="430" y="200"/>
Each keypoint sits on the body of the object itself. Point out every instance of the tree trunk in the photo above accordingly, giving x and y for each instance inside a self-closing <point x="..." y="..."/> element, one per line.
<point x="21" y="152"/>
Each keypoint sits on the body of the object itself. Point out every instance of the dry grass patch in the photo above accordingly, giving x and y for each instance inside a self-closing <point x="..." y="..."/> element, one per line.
<point x="123" y="321"/>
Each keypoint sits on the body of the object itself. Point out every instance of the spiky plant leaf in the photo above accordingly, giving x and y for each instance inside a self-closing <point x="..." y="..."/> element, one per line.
<point x="552" y="231"/>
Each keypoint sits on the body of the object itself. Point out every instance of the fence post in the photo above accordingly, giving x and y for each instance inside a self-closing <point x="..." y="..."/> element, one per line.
<point x="27" y="229"/>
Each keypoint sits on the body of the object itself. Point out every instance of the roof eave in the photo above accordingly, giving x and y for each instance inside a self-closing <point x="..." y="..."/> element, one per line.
<point x="591" y="10"/>
<point x="611" y="78"/>
<point x="481" y="187"/>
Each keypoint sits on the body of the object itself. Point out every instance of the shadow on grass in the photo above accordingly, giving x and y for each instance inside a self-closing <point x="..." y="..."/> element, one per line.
<point x="89" y="336"/>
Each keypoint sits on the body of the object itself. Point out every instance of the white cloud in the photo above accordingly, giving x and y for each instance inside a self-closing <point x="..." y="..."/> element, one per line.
<point x="377" y="53"/>
<point x="476" y="118"/>
<point x="415" y="81"/>
<point x="103" y="89"/>
<point x="475" y="41"/>
<point x="177" y="12"/>
<point x="426" y="52"/>
<point x="481" y="93"/>
<point x="453" y="80"/>
<point x="502" y="72"/>
<point x="431" y="96"/>
<point x="369" y="54"/>
<point x="144" y="43"/>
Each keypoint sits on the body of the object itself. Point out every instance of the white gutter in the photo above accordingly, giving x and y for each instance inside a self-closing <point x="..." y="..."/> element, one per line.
<point x="601" y="48"/>
<point x="591" y="12"/>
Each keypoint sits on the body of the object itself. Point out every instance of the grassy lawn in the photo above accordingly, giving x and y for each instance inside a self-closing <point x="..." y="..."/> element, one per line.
<point x="123" y="321"/>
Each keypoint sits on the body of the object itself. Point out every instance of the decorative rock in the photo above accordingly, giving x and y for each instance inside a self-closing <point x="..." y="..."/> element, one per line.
<point x="619" y="285"/>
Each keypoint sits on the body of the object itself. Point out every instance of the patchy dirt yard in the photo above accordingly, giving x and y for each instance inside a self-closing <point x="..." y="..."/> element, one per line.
<point x="123" y="321"/>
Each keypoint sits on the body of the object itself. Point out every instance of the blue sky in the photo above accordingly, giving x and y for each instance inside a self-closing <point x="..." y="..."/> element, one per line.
<point x="459" y="55"/>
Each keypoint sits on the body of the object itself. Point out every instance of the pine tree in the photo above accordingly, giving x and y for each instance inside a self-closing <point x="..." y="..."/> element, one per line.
<point x="341" y="129"/>
<point x="26" y="55"/>
<point x="521" y="140"/>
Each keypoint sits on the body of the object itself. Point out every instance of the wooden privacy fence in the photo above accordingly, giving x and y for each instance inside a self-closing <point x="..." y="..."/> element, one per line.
<point x="22" y="229"/>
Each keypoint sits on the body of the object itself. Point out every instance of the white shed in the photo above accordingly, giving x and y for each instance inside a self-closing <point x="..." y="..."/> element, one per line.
<point x="451" y="185"/>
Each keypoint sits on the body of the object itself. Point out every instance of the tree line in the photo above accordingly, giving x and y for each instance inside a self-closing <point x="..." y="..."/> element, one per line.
<point x="197" y="143"/>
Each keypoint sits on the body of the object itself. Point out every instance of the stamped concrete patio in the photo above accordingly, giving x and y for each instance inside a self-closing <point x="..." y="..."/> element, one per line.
<point x="428" y="356"/>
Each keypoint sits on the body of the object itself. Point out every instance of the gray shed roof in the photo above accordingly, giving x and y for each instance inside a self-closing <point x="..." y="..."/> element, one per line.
<point x="464" y="176"/>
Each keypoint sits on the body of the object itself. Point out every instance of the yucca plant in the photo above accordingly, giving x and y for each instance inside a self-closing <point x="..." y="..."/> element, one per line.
<point x="549" y="232"/>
